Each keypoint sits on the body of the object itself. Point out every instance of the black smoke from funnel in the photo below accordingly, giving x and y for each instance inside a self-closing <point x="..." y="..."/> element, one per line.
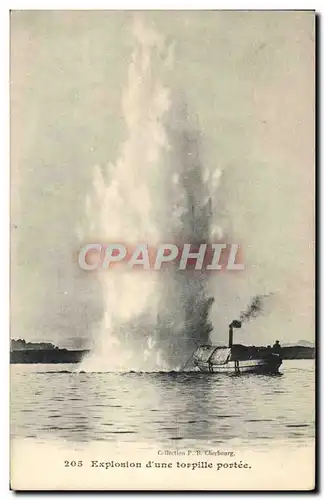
<point x="254" y="309"/>
<point x="235" y="324"/>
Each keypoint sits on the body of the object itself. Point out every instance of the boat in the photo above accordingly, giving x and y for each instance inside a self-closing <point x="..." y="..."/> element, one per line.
<point x="236" y="358"/>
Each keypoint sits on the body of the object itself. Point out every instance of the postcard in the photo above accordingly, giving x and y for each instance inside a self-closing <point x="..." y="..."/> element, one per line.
<point x="162" y="250"/>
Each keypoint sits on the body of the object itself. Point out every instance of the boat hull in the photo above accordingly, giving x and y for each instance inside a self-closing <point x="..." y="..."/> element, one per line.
<point x="244" y="366"/>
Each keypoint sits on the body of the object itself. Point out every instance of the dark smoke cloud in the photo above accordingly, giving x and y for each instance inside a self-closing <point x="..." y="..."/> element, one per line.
<point x="184" y="321"/>
<point x="254" y="309"/>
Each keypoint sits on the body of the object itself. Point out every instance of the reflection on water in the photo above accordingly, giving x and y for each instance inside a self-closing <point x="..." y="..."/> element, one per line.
<point x="174" y="409"/>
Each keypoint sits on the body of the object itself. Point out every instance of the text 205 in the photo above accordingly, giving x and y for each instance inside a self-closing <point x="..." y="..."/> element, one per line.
<point x="73" y="463"/>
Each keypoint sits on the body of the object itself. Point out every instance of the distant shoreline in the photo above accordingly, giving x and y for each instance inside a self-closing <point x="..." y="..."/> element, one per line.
<point x="62" y="356"/>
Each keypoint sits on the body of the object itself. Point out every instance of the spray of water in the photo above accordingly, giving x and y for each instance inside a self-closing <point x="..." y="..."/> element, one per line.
<point x="157" y="191"/>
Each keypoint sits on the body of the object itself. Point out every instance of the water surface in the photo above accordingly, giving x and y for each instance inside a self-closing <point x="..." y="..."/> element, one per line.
<point x="173" y="409"/>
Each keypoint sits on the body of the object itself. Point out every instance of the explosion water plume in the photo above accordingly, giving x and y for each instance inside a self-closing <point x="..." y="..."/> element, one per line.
<point x="156" y="191"/>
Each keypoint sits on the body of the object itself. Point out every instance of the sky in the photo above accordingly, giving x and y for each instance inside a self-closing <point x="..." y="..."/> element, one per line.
<point x="249" y="80"/>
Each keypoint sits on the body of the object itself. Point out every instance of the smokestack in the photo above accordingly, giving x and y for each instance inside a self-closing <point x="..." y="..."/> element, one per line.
<point x="234" y="324"/>
<point x="231" y="335"/>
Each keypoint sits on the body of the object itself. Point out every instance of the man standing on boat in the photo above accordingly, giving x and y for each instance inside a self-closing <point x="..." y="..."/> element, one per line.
<point x="277" y="347"/>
